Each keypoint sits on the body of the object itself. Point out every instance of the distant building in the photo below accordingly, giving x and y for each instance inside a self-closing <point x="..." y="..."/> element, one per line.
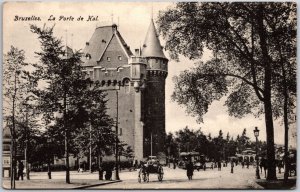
<point x="6" y="145"/>
<point x="247" y="155"/>
<point x="135" y="84"/>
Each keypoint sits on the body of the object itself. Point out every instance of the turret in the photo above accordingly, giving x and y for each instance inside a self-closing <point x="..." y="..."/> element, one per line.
<point x="138" y="72"/>
<point x="154" y="105"/>
<point x="153" y="51"/>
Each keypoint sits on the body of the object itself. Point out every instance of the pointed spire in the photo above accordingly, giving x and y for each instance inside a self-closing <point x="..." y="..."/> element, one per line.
<point x="152" y="46"/>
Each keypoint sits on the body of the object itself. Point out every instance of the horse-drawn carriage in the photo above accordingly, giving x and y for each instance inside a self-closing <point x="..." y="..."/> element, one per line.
<point x="151" y="166"/>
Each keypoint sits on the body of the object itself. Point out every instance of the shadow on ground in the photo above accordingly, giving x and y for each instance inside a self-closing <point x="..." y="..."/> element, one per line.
<point x="278" y="184"/>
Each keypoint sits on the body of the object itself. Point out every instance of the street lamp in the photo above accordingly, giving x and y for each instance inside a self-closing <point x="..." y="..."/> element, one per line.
<point x="256" y="134"/>
<point x="116" y="133"/>
<point x="117" y="139"/>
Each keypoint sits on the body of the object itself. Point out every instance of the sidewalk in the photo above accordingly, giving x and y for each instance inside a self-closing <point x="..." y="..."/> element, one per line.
<point x="39" y="180"/>
<point x="277" y="184"/>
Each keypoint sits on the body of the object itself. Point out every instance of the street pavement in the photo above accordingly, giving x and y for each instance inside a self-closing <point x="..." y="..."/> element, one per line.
<point x="242" y="178"/>
<point x="177" y="179"/>
<point x="39" y="180"/>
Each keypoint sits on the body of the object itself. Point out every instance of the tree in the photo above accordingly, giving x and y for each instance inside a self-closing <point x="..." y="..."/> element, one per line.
<point x="97" y="133"/>
<point x="244" y="60"/>
<point x="62" y="98"/>
<point x="14" y="90"/>
<point x="187" y="139"/>
<point x="243" y="141"/>
<point x="171" y="146"/>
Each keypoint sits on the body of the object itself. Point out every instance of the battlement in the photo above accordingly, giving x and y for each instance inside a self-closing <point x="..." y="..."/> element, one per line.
<point x="118" y="74"/>
<point x="137" y="60"/>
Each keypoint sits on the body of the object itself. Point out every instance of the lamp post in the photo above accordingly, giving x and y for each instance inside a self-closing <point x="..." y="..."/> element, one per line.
<point x="256" y="134"/>
<point x="117" y="139"/>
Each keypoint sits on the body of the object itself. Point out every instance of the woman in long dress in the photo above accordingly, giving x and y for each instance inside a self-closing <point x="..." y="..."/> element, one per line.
<point x="190" y="170"/>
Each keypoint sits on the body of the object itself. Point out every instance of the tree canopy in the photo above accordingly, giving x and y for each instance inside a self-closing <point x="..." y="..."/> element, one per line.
<point x="249" y="59"/>
<point x="72" y="106"/>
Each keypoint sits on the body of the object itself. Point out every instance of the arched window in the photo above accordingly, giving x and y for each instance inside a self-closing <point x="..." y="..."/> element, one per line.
<point x="108" y="82"/>
<point x="88" y="56"/>
<point x="126" y="83"/>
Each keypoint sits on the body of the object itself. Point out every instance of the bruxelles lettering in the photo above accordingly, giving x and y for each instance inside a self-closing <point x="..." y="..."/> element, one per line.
<point x="30" y="18"/>
<point x="57" y="18"/>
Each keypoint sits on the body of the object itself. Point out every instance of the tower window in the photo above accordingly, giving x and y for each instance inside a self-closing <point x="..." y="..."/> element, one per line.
<point x="108" y="59"/>
<point x="156" y="60"/>
<point x="120" y="58"/>
<point x="88" y="56"/>
<point x="126" y="86"/>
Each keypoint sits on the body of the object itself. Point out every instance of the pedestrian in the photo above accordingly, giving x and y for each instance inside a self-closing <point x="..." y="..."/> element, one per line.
<point x="20" y="169"/>
<point x="260" y="165"/>
<point x="264" y="165"/>
<point x="219" y="165"/>
<point x="243" y="164"/>
<point x="189" y="170"/>
<point x="174" y="163"/>
<point x="248" y="163"/>
<point x="232" y="165"/>
<point x="136" y="164"/>
<point x="101" y="171"/>
<point x="108" y="171"/>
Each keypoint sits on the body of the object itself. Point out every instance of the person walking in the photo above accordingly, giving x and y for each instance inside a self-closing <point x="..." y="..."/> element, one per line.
<point x="190" y="170"/>
<point x="219" y="165"/>
<point x="232" y="165"/>
<point x="136" y="164"/>
<point x="174" y="163"/>
<point x="20" y="169"/>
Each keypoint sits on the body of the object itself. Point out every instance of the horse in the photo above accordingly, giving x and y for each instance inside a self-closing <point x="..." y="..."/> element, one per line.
<point x="143" y="173"/>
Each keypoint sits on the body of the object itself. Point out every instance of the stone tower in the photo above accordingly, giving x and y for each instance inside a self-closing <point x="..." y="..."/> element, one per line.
<point x="154" y="94"/>
<point x="135" y="86"/>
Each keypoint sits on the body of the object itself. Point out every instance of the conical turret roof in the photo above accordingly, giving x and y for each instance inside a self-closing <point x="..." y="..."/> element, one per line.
<point x="152" y="46"/>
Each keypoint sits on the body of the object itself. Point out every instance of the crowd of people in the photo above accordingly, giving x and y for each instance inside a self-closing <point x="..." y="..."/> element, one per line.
<point x="188" y="164"/>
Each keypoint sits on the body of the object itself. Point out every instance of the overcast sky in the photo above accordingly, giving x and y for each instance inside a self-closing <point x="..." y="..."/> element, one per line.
<point x="133" y="19"/>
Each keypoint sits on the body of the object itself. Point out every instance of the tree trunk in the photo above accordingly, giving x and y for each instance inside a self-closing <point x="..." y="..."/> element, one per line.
<point x="267" y="96"/>
<point x="49" y="169"/>
<point x="286" y="140"/>
<point x="285" y="114"/>
<point x="270" y="141"/>
<point x="66" y="142"/>
<point x="286" y="124"/>
<point x="100" y="169"/>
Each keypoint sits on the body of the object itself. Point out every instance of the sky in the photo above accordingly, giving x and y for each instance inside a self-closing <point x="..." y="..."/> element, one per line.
<point x="133" y="19"/>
